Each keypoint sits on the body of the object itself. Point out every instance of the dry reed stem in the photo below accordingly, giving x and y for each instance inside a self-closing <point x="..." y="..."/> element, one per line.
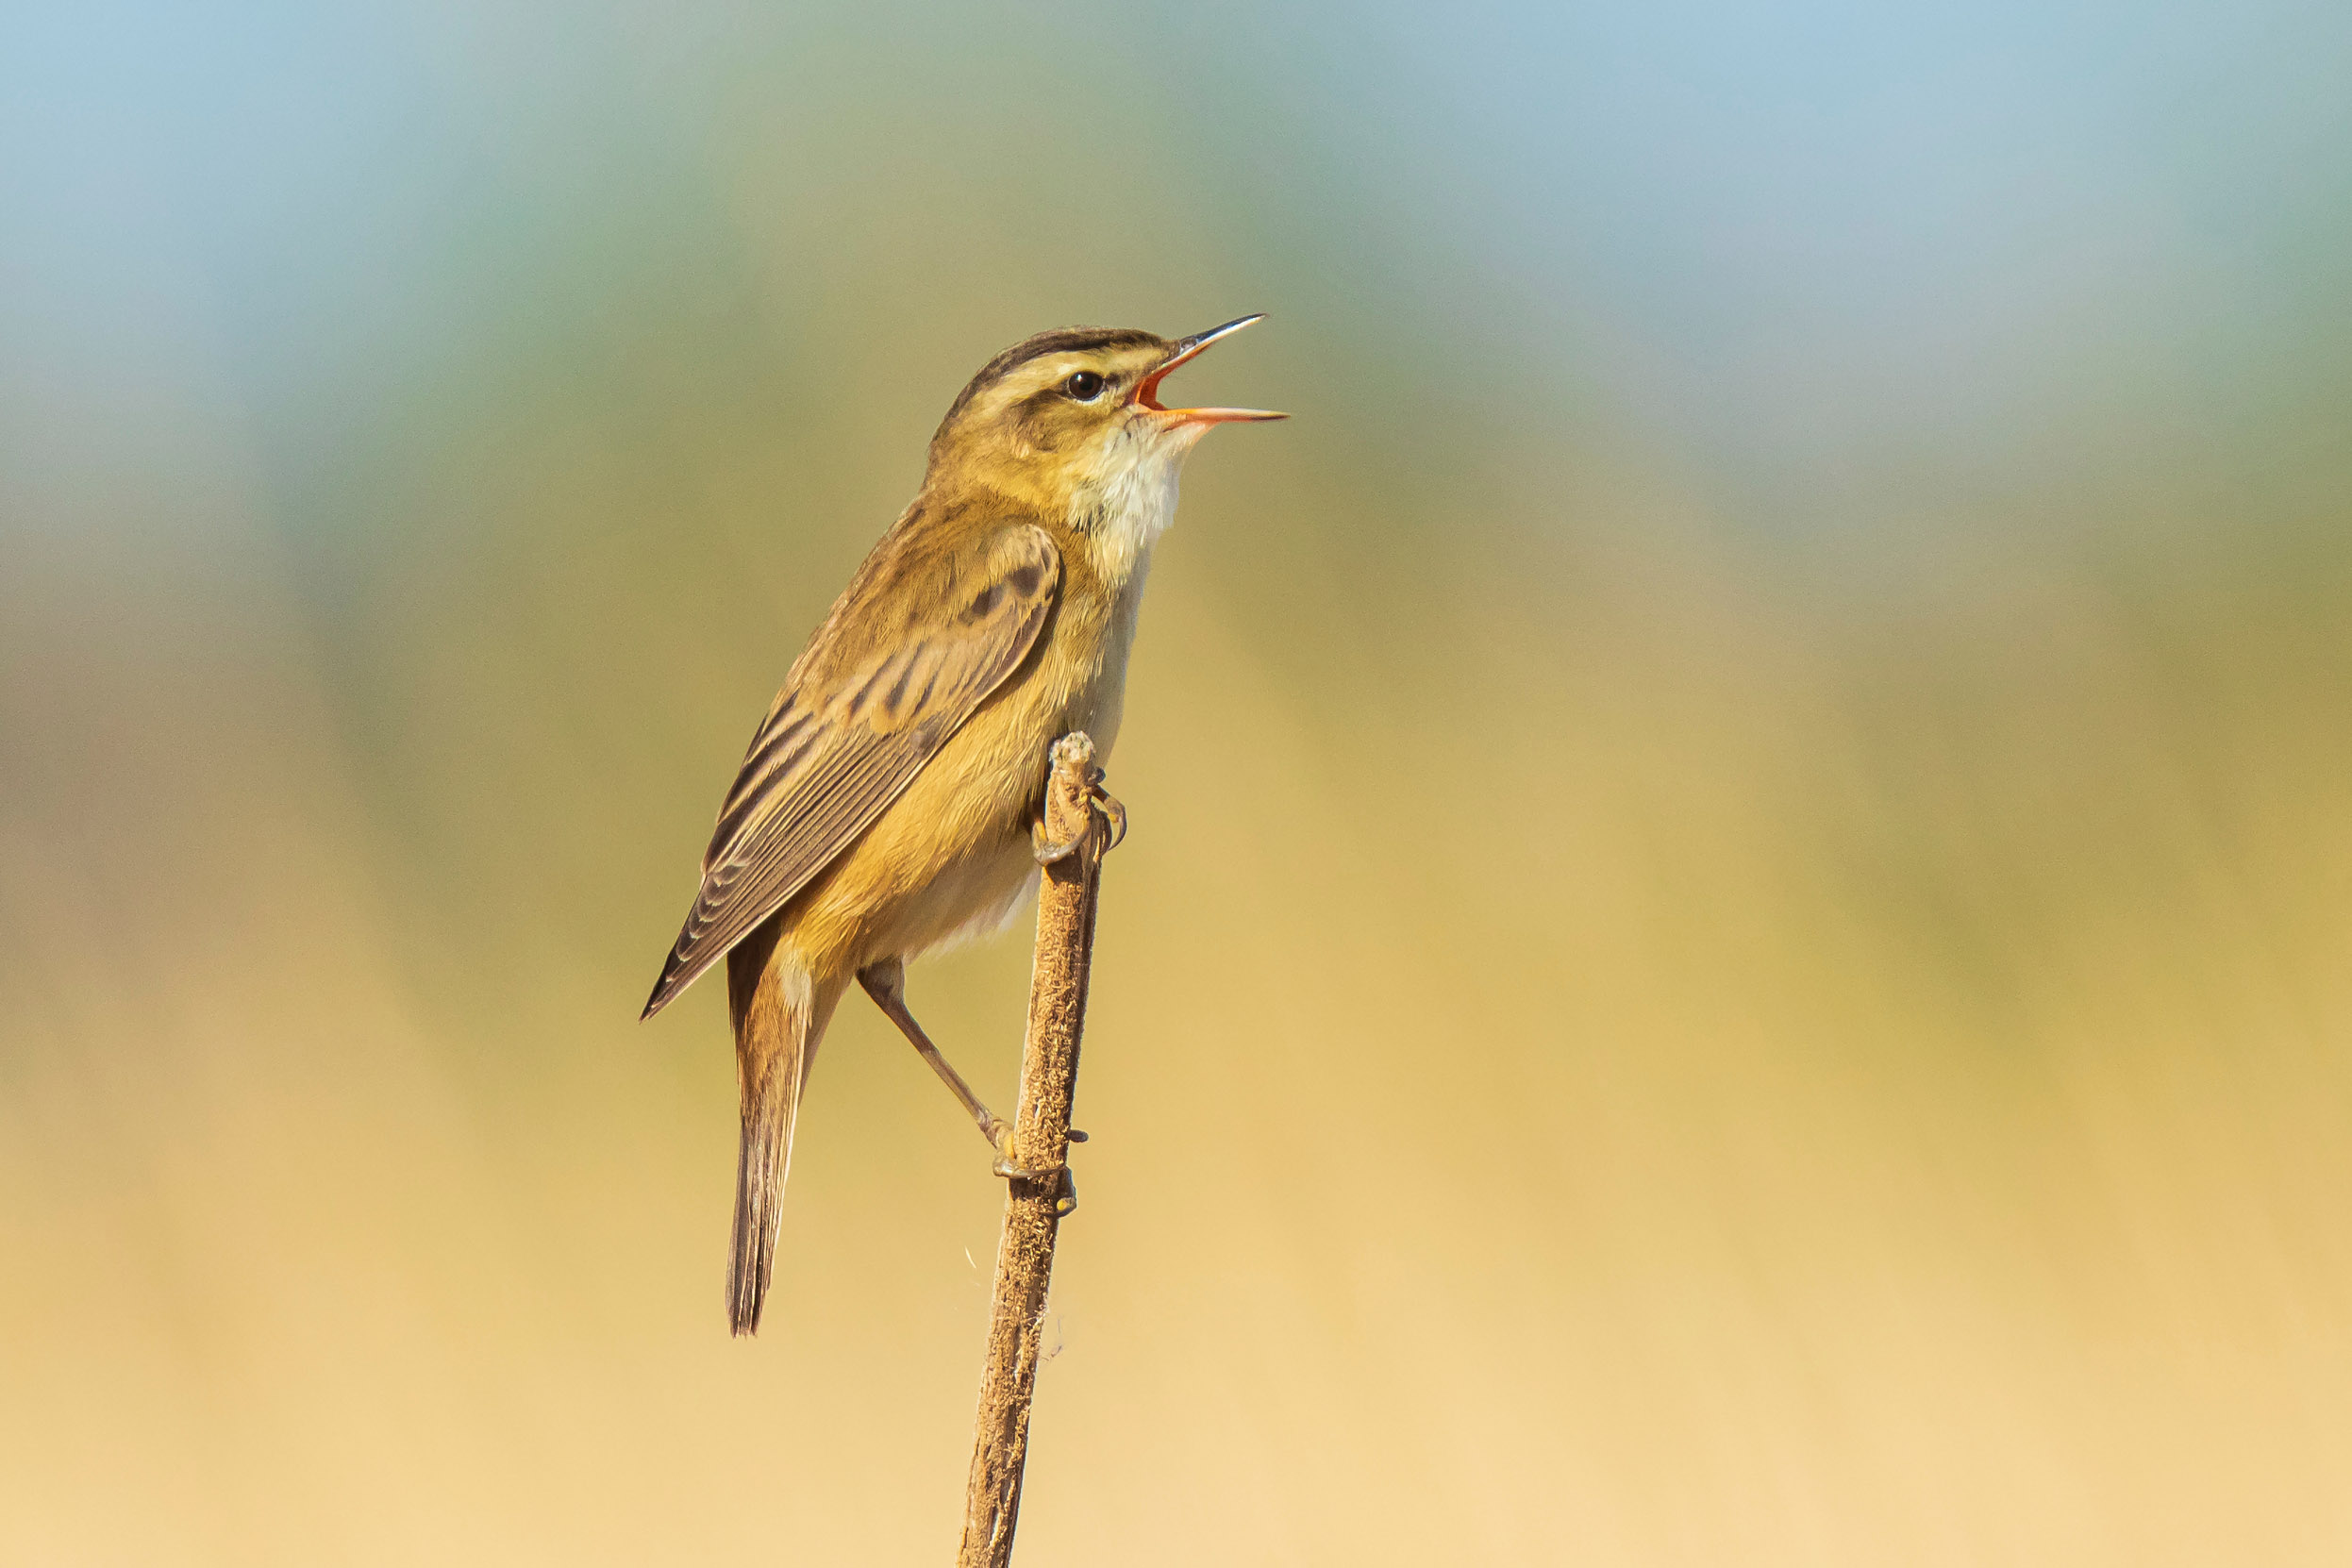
<point x="1041" y="1142"/>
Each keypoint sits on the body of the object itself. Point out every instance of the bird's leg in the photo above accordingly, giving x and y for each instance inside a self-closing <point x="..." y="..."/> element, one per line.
<point x="886" y="983"/>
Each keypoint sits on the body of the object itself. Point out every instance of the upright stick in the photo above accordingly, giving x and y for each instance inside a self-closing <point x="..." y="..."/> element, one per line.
<point x="1041" y="1144"/>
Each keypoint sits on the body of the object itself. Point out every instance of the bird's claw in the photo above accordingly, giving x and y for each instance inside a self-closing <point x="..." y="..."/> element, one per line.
<point x="1102" y="801"/>
<point x="1113" y="813"/>
<point x="1063" y="1178"/>
<point x="1049" y="853"/>
<point x="1064" y="1181"/>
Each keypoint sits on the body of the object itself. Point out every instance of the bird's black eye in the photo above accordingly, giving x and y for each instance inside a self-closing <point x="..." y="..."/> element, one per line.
<point x="1085" y="386"/>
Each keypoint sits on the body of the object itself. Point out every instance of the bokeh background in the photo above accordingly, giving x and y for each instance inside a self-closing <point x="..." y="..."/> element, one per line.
<point x="1735" y="948"/>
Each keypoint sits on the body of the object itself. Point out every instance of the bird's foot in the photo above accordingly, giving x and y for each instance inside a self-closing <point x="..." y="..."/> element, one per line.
<point x="1049" y="853"/>
<point x="1113" y="813"/>
<point x="1060" y="1177"/>
<point x="1103" y="802"/>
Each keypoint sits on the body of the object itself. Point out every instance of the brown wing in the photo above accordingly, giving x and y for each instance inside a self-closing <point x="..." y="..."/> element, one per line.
<point x="934" y="622"/>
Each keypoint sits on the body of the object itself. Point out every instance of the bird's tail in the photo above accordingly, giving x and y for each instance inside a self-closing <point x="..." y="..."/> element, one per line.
<point x="780" y="1011"/>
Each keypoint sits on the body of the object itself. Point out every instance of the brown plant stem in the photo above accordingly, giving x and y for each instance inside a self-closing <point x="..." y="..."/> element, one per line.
<point x="1041" y="1144"/>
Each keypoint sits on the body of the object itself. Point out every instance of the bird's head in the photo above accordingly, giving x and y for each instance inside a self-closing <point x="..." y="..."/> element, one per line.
<point x="1074" y="415"/>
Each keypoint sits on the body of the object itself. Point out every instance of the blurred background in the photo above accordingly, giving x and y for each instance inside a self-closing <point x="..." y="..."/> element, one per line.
<point x="1735" y="946"/>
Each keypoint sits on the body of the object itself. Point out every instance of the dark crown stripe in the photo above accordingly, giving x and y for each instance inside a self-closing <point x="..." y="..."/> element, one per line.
<point x="1062" y="340"/>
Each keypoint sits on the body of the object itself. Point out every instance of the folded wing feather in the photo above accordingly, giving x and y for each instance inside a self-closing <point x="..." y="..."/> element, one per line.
<point x="861" y="714"/>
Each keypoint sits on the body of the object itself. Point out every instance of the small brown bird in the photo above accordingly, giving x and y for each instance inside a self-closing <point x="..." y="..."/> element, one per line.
<point x="890" y="804"/>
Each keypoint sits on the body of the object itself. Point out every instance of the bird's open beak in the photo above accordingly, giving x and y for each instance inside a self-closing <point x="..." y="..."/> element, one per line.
<point x="1147" y="390"/>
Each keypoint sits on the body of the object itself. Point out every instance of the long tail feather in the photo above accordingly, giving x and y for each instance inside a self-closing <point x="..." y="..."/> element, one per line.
<point x="780" y="1013"/>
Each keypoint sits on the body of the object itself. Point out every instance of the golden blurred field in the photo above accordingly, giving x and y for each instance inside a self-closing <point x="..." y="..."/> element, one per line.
<point x="1736" y="943"/>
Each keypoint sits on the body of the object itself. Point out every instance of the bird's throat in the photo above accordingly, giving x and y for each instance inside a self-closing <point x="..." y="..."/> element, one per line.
<point x="1123" y="511"/>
